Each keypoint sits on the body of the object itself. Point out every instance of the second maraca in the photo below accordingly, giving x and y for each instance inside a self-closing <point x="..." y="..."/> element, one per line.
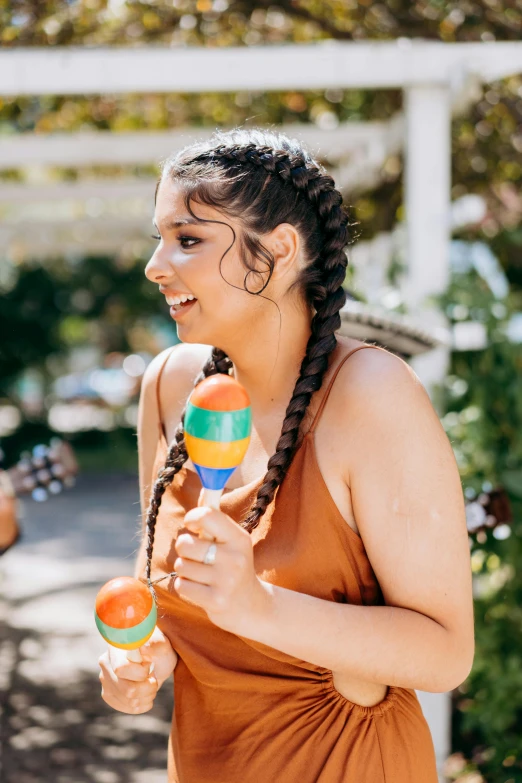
<point x="218" y="422"/>
<point x="125" y="614"/>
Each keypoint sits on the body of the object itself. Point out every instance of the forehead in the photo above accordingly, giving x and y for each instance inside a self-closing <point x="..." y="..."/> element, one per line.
<point x="170" y="207"/>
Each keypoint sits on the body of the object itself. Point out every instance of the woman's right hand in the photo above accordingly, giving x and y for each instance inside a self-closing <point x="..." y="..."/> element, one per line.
<point x="132" y="687"/>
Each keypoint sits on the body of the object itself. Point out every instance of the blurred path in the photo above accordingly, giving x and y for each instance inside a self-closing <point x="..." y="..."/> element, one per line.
<point x="55" y="727"/>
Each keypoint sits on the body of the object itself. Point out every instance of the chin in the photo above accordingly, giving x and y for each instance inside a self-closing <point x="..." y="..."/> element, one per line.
<point x="187" y="335"/>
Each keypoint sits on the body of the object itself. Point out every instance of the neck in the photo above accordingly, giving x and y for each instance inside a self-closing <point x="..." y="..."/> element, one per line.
<point x="268" y="364"/>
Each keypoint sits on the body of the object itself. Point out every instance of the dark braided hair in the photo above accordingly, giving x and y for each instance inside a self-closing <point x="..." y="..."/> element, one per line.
<point x="264" y="178"/>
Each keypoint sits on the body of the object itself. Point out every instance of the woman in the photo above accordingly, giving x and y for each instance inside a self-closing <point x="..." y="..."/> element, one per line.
<point x="335" y="579"/>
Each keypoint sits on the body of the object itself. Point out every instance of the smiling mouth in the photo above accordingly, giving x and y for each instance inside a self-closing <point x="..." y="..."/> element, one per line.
<point x="176" y="310"/>
<point x="177" y="307"/>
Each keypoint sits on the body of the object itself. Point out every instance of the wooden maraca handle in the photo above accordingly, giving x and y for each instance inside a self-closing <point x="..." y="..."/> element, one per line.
<point x="211" y="498"/>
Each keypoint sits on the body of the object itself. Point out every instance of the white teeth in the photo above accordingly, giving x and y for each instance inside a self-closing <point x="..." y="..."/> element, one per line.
<point x="176" y="300"/>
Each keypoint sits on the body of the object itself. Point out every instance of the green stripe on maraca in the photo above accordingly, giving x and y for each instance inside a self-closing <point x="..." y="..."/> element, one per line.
<point x="128" y="635"/>
<point x="223" y="426"/>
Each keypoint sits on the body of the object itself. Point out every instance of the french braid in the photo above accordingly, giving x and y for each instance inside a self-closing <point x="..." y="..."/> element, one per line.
<point x="316" y="207"/>
<point x="325" y="284"/>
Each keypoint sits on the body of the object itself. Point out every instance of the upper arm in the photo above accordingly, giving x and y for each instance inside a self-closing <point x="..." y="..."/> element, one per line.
<point x="148" y="427"/>
<point x="181" y="367"/>
<point x="407" y="495"/>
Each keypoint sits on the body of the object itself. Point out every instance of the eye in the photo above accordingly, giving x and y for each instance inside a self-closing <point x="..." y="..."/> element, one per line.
<point x="189" y="239"/>
<point x="181" y="239"/>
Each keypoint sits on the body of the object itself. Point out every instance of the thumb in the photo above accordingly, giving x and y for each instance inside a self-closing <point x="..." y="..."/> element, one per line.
<point x="147" y="658"/>
<point x="147" y="648"/>
<point x="146" y="652"/>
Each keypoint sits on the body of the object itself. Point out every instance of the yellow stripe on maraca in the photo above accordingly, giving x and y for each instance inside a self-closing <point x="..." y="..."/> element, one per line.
<point x="216" y="454"/>
<point x="130" y="645"/>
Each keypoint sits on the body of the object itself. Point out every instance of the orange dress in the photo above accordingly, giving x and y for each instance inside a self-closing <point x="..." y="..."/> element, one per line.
<point x="248" y="713"/>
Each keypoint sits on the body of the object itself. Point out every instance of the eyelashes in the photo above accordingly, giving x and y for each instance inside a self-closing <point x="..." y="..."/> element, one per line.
<point x="181" y="239"/>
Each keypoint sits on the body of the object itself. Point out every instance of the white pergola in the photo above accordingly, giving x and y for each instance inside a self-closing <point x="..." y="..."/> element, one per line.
<point x="437" y="80"/>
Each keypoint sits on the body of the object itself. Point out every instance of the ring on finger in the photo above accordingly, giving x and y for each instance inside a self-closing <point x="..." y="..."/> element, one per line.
<point x="210" y="557"/>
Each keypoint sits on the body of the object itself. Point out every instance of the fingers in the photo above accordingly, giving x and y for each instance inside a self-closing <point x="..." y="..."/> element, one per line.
<point x="202" y="595"/>
<point x="125" y="695"/>
<point x="196" y="572"/>
<point x="208" y="521"/>
<point x="191" y="548"/>
<point x="160" y="655"/>
<point x="128" y="670"/>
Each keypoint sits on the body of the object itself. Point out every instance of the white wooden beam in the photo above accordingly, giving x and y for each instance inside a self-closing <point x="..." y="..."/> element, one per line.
<point x="79" y="238"/>
<point x="361" y="64"/>
<point x="81" y="190"/>
<point x="87" y="148"/>
<point x="427" y="190"/>
<point x="37" y="200"/>
<point x="428" y="214"/>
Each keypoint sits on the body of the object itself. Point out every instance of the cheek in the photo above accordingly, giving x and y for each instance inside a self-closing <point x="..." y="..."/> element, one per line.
<point x="216" y="291"/>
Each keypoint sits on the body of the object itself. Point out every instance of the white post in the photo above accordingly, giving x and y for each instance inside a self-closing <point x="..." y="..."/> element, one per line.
<point x="427" y="198"/>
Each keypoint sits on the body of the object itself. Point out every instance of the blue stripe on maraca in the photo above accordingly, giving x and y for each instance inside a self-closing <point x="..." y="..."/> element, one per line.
<point x="213" y="478"/>
<point x="223" y="426"/>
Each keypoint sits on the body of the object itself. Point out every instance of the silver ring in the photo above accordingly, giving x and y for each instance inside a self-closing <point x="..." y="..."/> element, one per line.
<point x="210" y="557"/>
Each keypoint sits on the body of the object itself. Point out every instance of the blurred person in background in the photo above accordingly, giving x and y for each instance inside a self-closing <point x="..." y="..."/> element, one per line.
<point x="9" y="528"/>
<point x="335" y="578"/>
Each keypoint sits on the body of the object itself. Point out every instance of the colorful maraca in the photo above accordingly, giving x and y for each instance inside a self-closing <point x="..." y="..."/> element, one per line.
<point x="125" y="614"/>
<point x="218" y="421"/>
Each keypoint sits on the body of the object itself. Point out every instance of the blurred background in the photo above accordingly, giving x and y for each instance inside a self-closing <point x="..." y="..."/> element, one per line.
<point x="415" y="108"/>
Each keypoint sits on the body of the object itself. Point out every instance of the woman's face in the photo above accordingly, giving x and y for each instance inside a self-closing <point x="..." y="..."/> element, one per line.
<point x="187" y="262"/>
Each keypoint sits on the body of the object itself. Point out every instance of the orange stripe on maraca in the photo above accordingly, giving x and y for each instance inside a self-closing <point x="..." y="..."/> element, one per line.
<point x="123" y="602"/>
<point x="128" y="638"/>
<point x="220" y="393"/>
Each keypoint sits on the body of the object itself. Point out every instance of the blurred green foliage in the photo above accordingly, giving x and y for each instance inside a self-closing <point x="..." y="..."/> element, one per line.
<point x="482" y="399"/>
<point x="234" y="22"/>
<point x="46" y="311"/>
<point x="50" y="309"/>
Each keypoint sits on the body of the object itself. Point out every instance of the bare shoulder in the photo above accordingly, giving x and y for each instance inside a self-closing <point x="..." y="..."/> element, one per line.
<point x="171" y="375"/>
<point x="368" y="365"/>
<point x="177" y="362"/>
<point x="379" y="400"/>
<point x="377" y="380"/>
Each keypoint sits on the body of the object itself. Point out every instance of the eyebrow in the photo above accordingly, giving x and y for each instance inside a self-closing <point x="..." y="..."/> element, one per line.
<point x="177" y="223"/>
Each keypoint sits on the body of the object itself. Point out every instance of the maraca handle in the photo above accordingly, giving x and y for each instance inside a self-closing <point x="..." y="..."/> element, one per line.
<point x="211" y="498"/>
<point x="134" y="656"/>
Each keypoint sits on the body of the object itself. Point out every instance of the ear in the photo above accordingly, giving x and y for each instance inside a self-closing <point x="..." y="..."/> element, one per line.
<point x="284" y="244"/>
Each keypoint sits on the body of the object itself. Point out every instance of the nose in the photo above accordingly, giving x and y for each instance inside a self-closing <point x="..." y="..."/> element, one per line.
<point x="157" y="270"/>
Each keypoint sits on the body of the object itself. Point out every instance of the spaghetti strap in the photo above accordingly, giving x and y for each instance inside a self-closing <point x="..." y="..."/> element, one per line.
<point x="158" y="402"/>
<point x="334" y="376"/>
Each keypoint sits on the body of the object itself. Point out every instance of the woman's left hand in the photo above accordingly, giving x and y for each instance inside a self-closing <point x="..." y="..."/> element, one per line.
<point x="227" y="589"/>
